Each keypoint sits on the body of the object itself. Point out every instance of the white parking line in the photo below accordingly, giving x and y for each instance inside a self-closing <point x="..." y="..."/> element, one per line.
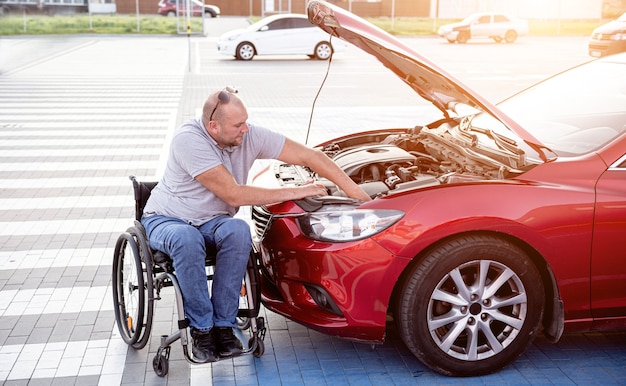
<point x="65" y="359"/>
<point x="55" y="258"/>
<point x="52" y="227"/>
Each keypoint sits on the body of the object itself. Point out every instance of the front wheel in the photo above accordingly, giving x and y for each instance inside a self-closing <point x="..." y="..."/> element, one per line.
<point x="472" y="306"/>
<point x="245" y="51"/>
<point x="323" y="50"/>
<point x="510" y="36"/>
<point x="463" y="37"/>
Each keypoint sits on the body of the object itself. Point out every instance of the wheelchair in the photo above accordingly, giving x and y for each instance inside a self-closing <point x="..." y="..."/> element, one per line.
<point x="140" y="273"/>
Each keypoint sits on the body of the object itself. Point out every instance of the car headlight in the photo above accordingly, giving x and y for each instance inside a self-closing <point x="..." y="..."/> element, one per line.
<point x="347" y="225"/>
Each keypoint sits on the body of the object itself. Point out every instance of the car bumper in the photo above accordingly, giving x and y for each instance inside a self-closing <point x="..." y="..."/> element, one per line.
<point x="226" y="48"/>
<point x="449" y="35"/>
<point x="340" y="289"/>
<point x="598" y="48"/>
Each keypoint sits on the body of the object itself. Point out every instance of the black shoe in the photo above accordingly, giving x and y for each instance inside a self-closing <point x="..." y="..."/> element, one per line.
<point x="203" y="347"/>
<point x="229" y="345"/>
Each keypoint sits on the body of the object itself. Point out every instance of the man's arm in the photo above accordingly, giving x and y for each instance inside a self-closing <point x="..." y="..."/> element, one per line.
<point x="298" y="154"/>
<point x="223" y="185"/>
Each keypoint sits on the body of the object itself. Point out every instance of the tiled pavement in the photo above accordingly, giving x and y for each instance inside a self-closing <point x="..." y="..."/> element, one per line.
<point x="77" y="116"/>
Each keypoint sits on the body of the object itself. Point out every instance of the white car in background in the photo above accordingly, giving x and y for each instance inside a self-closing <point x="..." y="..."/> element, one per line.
<point x="281" y="34"/>
<point x="494" y="25"/>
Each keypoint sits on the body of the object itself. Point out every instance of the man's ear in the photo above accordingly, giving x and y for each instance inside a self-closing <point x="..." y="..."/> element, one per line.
<point x="211" y="126"/>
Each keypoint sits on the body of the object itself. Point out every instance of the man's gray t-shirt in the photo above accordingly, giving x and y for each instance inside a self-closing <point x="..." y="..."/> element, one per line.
<point x="193" y="152"/>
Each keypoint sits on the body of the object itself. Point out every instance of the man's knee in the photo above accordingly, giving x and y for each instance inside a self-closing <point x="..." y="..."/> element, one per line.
<point x="235" y="230"/>
<point x="186" y="239"/>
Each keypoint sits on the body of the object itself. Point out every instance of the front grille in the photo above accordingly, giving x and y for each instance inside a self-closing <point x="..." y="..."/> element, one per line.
<point x="601" y="36"/>
<point x="261" y="219"/>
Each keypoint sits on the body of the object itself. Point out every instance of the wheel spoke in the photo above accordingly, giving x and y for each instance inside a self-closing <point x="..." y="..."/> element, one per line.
<point x="508" y="320"/>
<point x="482" y="275"/>
<point x="472" y="344"/>
<point x="511" y="301"/>
<point x="502" y="279"/>
<point x="464" y="292"/>
<point x="494" y="343"/>
<point x="447" y="297"/>
<point x="452" y="335"/>
<point x="443" y="320"/>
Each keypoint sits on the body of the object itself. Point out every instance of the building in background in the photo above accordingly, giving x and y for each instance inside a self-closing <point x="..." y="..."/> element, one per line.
<point x="436" y="9"/>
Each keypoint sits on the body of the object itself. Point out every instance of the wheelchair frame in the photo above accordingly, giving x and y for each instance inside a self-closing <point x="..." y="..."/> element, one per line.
<point x="139" y="274"/>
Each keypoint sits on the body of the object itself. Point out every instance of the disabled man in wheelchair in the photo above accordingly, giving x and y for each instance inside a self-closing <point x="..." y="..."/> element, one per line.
<point x="192" y="208"/>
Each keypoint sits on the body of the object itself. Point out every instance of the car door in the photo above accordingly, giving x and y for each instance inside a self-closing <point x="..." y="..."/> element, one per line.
<point x="482" y="26"/>
<point x="306" y="36"/>
<point x="276" y="38"/>
<point x="608" y="265"/>
<point x="500" y="25"/>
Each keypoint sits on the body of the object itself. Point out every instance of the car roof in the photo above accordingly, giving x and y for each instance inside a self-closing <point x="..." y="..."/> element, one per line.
<point x="277" y="16"/>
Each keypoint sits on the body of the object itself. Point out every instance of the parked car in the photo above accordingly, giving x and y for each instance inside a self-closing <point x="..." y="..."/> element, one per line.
<point x="493" y="25"/>
<point x="487" y="225"/>
<point x="280" y="34"/>
<point x="168" y="8"/>
<point x="609" y="38"/>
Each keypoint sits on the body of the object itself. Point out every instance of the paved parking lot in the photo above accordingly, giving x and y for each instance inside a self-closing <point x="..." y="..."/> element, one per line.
<point x="80" y="114"/>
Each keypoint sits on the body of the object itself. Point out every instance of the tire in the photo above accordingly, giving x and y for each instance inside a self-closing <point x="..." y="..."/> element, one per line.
<point x="132" y="284"/>
<point x="160" y="365"/>
<point x="259" y="349"/>
<point x="463" y="37"/>
<point x="128" y="294"/>
<point x="510" y="36"/>
<point x="243" y="323"/>
<point x="245" y="51"/>
<point x="450" y="295"/>
<point x="323" y="51"/>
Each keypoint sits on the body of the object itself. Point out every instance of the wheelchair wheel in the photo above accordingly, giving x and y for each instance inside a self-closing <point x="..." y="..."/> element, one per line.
<point x="161" y="365"/>
<point x="132" y="289"/>
<point x="139" y="234"/>
<point x="259" y="350"/>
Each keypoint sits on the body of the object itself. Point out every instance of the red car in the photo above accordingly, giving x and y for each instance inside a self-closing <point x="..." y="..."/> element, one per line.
<point x="487" y="226"/>
<point x="172" y="7"/>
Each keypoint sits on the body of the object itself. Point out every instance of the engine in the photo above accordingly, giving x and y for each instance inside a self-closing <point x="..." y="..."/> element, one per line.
<point x="388" y="163"/>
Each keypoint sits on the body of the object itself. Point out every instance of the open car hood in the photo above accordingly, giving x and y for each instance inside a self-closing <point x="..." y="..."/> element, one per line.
<point x="423" y="76"/>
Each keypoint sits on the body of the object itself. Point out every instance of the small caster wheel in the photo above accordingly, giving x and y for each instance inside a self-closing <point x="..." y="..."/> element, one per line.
<point x="243" y="323"/>
<point x="259" y="350"/>
<point x="160" y="364"/>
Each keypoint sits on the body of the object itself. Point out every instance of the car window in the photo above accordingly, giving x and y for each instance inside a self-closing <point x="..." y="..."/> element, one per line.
<point x="280" y="24"/>
<point x="576" y="112"/>
<point x="302" y="23"/>
<point x="500" y="19"/>
<point x="484" y="19"/>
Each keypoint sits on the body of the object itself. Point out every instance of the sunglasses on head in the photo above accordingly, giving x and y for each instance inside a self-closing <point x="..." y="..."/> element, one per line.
<point x="223" y="97"/>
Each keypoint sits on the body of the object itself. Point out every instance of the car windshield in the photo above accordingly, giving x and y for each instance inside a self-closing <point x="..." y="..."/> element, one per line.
<point x="469" y="19"/>
<point x="574" y="113"/>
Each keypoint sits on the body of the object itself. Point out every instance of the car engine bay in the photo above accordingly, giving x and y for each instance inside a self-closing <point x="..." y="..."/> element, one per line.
<point x="394" y="161"/>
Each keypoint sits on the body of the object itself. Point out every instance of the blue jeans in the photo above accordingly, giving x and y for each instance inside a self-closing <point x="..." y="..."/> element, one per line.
<point x="226" y="237"/>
